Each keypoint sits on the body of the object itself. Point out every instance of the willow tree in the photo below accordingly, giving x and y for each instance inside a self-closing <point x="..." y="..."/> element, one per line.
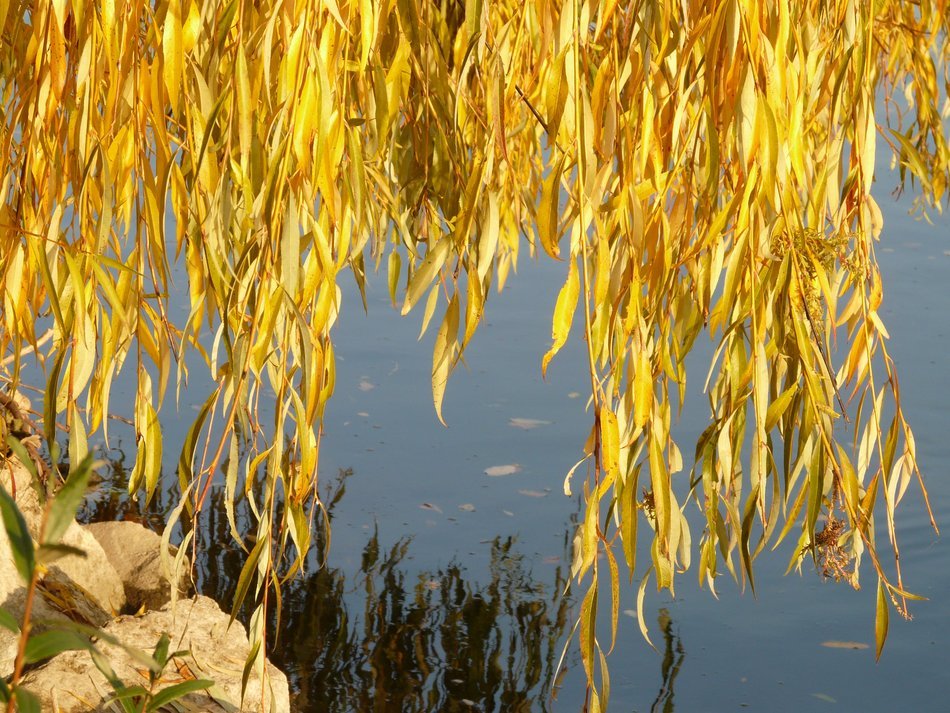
<point x="694" y="166"/>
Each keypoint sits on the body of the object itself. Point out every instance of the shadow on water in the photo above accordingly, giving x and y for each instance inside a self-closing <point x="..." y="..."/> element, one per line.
<point x="388" y="636"/>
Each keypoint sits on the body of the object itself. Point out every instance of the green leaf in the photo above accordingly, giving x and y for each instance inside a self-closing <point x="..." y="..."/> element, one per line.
<point x="880" y="620"/>
<point x="67" y="501"/>
<point x="91" y="632"/>
<point x="748" y="518"/>
<point x="23" y="456"/>
<point x="588" y="628"/>
<point x="8" y="621"/>
<point x="122" y="694"/>
<point x="20" y="541"/>
<point x="129" y="697"/>
<point x="160" y="654"/>
<point x="186" y="459"/>
<point x="627" y="494"/>
<point x="247" y="576"/>
<point x="249" y="664"/>
<point x="47" y="554"/>
<point x="26" y="702"/>
<point x="46" y="645"/>
<point x="129" y="693"/>
<point x="179" y="690"/>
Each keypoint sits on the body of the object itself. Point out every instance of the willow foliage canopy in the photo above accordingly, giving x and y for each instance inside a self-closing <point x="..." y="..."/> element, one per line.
<point x="693" y="165"/>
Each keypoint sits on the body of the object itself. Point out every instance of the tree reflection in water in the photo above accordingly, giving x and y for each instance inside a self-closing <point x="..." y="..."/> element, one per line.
<point x="672" y="662"/>
<point x="387" y="637"/>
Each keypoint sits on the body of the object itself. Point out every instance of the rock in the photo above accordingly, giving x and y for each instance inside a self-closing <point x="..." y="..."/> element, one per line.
<point x="13" y="599"/>
<point x="94" y="573"/>
<point x="91" y="577"/>
<point x="13" y="588"/>
<point x="216" y="652"/>
<point x="135" y="552"/>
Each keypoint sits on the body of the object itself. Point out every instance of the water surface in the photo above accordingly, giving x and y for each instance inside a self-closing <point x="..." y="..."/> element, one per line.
<point x="443" y="589"/>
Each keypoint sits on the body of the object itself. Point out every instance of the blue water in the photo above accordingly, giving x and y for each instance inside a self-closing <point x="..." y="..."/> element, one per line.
<point x="739" y="652"/>
<point x="505" y="540"/>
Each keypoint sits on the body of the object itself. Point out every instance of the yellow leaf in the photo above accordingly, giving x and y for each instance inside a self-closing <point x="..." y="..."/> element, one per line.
<point x="394" y="268"/>
<point x="488" y="237"/>
<point x="431" y="301"/>
<point x="445" y="344"/>
<point x="424" y="274"/>
<point x="555" y="95"/>
<point x="563" y="315"/>
<point x="548" y="210"/>
<point x="335" y="12"/>
<point x="474" y="305"/>
<point x="173" y="53"/>
<point x="4" y="9"/>
<point x="244" y="104"/>
<point x="588" y="629"/>
<point x="868" y="149"/>
<point x="368" y="24"/>
<point x="609" y="442"/>
<point x="606" y="12"/>
<point x="191" y="29"/>
<point x="290" y="249"/>
<point x="642" y="389"/>
<point x="57" y="62"/>
<point x="779" y="406"/>
<point x="760" y="385"/>
<point x="660" y="482"/>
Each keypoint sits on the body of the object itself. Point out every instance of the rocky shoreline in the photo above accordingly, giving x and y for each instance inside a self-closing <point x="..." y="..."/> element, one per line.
<point x="121" y="587"/>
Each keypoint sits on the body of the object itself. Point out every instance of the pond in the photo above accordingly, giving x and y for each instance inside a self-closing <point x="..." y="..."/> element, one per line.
<point x="446" y="586"/>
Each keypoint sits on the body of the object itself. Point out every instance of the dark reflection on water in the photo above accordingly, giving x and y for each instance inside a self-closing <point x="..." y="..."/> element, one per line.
<point x="388" y="636"/>
<point x="109" y="498"/>
<point x="432" y="641"/>
<point x="673" y="656"/>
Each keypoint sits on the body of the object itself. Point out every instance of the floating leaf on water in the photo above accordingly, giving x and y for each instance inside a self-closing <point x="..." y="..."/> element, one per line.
<point x="574" y="394"/>
<point x="366" y="385"/>
<point x="532" y="493"/>
<point x="430" y="506"/>
<point x="498" y="470"/>
<point x="632" y="613"/>
<point x="527" y="424"/>
<point x="362" y="414"/>
<point x="844" y="645"/>
<point x="467" y="507"/>
<point x="508" y="513"/>
<point x="824" y="697"/>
